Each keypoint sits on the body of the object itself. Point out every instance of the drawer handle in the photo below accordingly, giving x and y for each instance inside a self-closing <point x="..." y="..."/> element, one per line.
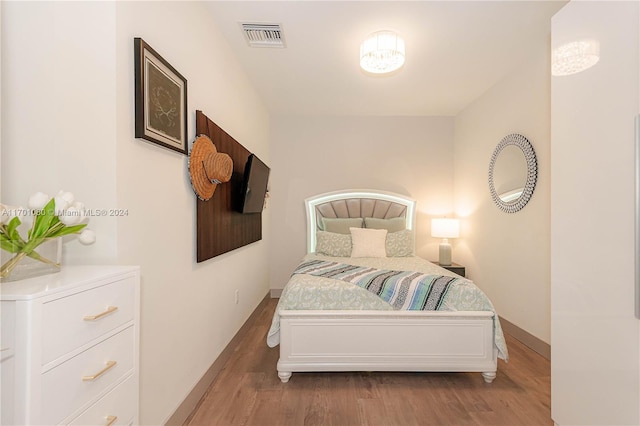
<point x="111" y="420"/>
<point x="110" y="309"/>
<point x="110" y="365"/>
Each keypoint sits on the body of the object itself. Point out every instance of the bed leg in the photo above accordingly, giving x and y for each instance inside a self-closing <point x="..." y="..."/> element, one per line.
<point x="284" y="376"/>
<point x="489" y="376"/>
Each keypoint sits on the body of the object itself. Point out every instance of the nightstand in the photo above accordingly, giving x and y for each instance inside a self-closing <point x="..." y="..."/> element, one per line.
<point x="454" y="267"/>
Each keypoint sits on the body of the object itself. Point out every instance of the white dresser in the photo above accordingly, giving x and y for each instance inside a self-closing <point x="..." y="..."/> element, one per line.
<point x="70" y="345"/>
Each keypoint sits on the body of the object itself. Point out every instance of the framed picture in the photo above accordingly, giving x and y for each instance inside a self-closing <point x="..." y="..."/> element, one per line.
<point x="161" y="99"/>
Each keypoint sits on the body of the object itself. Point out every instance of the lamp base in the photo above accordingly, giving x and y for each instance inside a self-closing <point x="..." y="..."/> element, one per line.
<point x="445" y="253"/>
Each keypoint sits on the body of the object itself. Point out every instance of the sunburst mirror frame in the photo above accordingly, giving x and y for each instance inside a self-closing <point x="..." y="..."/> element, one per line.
<point x="532" y="173"/>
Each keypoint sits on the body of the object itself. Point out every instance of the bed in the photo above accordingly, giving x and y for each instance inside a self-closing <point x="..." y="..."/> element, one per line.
<point x="331" y="321"/>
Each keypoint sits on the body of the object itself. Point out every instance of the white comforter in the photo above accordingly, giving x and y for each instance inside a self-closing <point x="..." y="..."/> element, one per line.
<point x="308" y="292"/>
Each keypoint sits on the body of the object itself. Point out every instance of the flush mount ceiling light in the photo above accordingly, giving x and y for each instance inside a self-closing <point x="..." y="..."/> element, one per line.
<point x="574" y="57"/>
<point x="382" y="52"/>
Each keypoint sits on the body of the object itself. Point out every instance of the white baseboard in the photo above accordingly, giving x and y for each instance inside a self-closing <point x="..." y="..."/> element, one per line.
<point x="276" y="293"/>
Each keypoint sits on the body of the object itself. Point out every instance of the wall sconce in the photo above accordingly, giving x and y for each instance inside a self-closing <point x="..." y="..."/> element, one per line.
<point x="445" y="228"/>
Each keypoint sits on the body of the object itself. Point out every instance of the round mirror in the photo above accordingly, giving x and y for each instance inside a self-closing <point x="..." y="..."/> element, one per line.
<point x="512" y="173"/>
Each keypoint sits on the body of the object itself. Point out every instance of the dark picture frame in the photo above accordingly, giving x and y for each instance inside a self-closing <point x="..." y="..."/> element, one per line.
<point x="160" y="98"/>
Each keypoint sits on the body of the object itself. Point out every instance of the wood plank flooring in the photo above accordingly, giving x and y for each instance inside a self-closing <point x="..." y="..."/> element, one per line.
<point x="248" y="392"/>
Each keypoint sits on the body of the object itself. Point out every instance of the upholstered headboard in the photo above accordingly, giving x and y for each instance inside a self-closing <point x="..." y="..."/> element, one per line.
<point x="356" y="203"/>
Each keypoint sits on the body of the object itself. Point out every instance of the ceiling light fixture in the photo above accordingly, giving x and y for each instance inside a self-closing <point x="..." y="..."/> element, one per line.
<point x="572" y="58"/>
<point x="382" y="52"/>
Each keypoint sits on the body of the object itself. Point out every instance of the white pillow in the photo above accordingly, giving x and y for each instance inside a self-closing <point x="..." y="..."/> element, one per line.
<point x="368" y="242"/>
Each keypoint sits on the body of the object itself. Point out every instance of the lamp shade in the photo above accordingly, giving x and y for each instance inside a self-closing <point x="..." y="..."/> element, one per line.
<point x="445" y="228"/>
<point x="382" y="52"/>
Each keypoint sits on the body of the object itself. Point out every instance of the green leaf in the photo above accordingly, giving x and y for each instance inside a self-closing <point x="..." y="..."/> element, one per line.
<point x="44" y="220"/>
<point x="12" y="229"/>
<point x="35" y="255"/>
<point x="55" y="220"/>
<point x="68" y="230"/>
<point x="10" y="246"/>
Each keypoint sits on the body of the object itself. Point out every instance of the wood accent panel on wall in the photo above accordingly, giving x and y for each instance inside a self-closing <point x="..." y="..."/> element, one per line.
<point x="220" y="227"/>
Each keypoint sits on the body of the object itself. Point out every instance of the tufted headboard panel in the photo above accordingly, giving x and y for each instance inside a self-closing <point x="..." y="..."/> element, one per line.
<point x="356" y="203"/>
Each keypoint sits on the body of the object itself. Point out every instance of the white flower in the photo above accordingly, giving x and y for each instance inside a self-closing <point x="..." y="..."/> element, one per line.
<point x="71" y="216"/>
<point x="38" y="200"/>
<point x="68" y="196"/>
<point x="4" y="214"/>
<point x="87" y="236"/>
<point x="81" y="210"/>
<point x="61" y="204"/>
<point x="63" y="200"/>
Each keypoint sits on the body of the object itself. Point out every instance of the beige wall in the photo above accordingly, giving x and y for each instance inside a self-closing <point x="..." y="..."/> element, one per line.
<point x="188" y="310"/>
<point x="54" y="66"/>
<point x="312" y="155"/>
<point x="507" y="255"/>
<point x="68" y="94"/>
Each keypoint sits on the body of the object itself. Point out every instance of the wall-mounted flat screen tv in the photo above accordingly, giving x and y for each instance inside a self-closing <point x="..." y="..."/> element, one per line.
<point x="254" y="185"/>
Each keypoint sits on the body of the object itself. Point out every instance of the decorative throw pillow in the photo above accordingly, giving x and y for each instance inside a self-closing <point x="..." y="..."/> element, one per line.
<point x="399" y="244"/>
<point x="332" y="244"/>
<point x="392" y="225"/>
<point x="368" y="242"/>
<point x="341" y="225"/>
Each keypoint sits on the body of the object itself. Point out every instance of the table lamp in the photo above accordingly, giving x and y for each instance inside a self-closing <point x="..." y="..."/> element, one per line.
<point x="445" y="228"/>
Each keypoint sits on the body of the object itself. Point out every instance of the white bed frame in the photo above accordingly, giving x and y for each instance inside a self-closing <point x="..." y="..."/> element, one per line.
<point x="383" y="340"/>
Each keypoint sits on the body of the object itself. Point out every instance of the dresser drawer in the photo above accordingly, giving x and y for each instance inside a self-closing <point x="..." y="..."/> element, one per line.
<point x="66" y="323"/>
<point x="63" y="388"/>
<point x="118" y="407"/>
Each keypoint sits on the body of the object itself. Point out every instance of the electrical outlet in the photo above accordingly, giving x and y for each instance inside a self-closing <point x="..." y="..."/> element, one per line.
<point x="237" y="296"/>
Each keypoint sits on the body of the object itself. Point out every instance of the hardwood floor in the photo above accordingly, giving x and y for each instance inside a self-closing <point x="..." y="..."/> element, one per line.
<point x="248" y="392"/>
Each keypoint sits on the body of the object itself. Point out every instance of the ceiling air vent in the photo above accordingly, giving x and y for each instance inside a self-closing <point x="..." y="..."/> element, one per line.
<point x="263" y="35"/>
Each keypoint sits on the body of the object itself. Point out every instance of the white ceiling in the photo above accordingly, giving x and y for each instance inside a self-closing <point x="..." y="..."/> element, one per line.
<point x="455" y="50"/>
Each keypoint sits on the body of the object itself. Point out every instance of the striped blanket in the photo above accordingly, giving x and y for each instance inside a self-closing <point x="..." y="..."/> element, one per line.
<point x="403" y="290"/>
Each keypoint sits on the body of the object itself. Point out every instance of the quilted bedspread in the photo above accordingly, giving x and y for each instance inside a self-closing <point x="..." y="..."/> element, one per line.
<point x="309" y="292"/>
